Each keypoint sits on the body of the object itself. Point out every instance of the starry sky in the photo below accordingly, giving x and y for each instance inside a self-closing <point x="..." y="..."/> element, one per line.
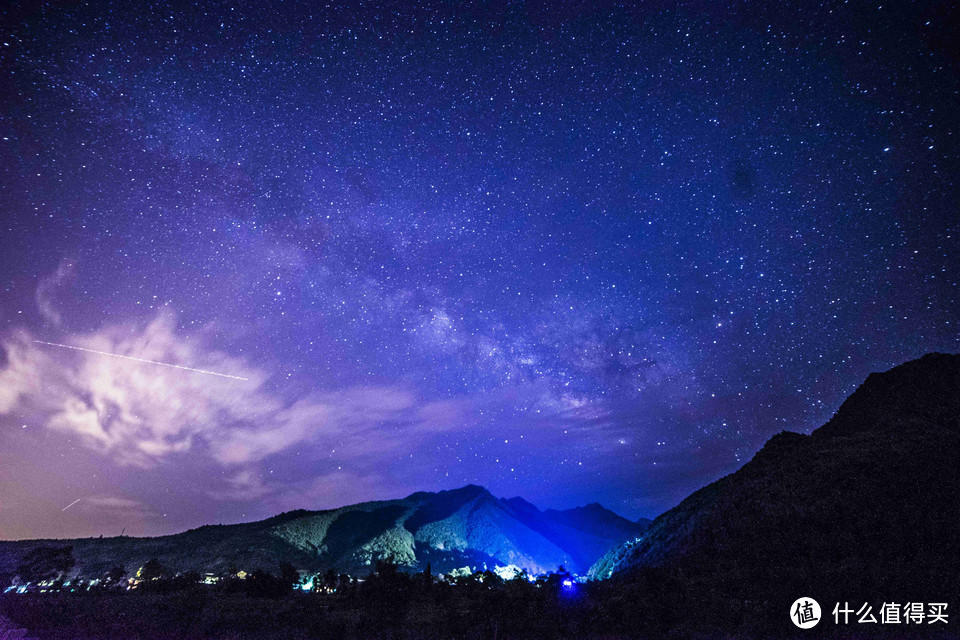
<point x="575" y="251"/>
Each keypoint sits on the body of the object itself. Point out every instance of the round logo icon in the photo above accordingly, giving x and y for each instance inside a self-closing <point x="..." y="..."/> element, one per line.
<point x="805" y="612"/>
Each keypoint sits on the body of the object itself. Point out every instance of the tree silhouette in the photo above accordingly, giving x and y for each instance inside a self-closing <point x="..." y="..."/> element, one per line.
<point x="288" y="575"/>
<point x="152" y="570"/>
<point x="116" y="574"/>
<point x="44" y="563"/>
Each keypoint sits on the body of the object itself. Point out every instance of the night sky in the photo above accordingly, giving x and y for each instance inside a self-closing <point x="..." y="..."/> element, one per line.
<point x="576" y="253"/>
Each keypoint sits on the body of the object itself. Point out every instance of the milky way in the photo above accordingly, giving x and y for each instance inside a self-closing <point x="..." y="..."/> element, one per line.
<point x="589" y="252"/>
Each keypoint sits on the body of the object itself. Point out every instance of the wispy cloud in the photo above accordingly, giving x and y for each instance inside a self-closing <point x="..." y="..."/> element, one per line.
<point x="114" y="503"/>
<point x="48" y="289"/>
<point x="140" y="414"/>
<point x="323" y="491"/>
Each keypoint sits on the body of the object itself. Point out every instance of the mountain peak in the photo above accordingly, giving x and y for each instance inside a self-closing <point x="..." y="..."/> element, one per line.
<point x="920" y="393"/>
<point x="469" y="491"/>
<point x="876" y="482"/>
<point x="466" y="492"/>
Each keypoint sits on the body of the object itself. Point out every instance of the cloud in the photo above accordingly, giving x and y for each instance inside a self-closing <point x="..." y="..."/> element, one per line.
<point x="49" y="287"/>
<point x="115" y="504"/>
<point x="338" y="488"/>
<point x="324" y="491"/>
<point x="140" y="414"/>
<point x="244" y="485"/>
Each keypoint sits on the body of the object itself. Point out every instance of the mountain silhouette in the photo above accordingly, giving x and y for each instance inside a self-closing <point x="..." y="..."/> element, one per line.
<point x="449" y="529"/>
<point x="867" y="506"/>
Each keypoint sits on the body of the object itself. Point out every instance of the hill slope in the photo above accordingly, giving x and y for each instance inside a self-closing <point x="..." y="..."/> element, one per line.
<point x="449" y="529"/>
<point x="869" y="503"/>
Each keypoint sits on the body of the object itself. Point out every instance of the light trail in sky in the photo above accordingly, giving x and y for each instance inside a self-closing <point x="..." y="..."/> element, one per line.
<point x="71" y="504"/>
<point x="144" y="360"/>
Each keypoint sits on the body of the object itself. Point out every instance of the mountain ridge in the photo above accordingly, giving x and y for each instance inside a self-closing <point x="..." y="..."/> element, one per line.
<point x="876" y="486"/>
<point x="467" y="526"/>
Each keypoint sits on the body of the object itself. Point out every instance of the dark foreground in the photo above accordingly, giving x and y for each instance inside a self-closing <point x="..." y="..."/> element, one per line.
<point x="399" y="607"/>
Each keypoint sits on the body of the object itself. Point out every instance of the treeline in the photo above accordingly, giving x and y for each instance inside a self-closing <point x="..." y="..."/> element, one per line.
<point x="391" y="604"/>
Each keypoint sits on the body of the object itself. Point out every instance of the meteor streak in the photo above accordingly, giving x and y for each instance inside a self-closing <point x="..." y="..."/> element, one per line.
<point x="135" y="359"/>
<point x="71" y="504"/>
